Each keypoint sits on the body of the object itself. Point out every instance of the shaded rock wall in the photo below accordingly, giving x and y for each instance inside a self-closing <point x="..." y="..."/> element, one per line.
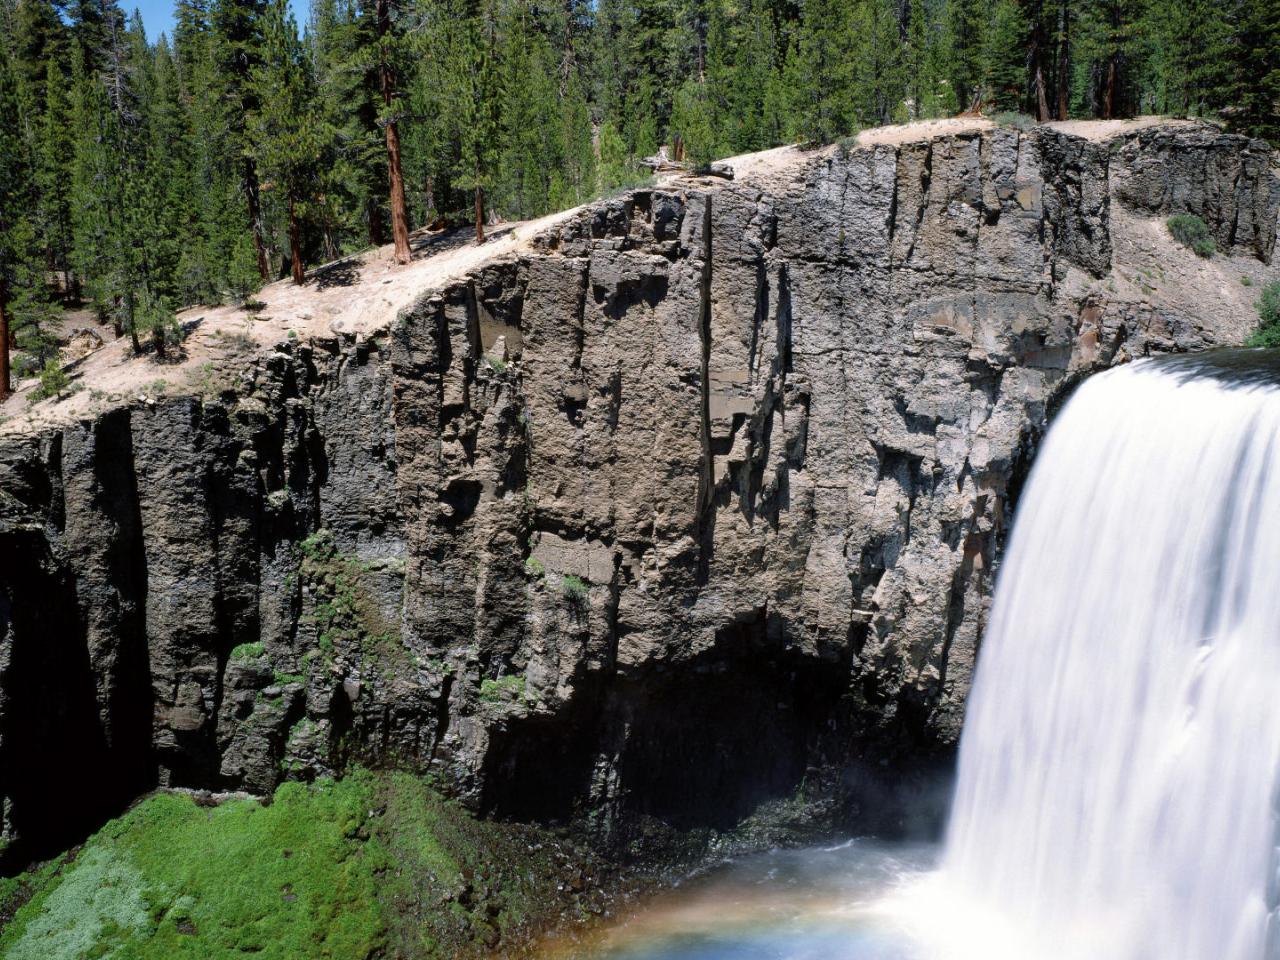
<point x="699" y="498"/>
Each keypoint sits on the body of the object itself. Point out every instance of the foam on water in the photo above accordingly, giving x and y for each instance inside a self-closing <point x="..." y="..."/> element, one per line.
<point x="1117" y="779"/>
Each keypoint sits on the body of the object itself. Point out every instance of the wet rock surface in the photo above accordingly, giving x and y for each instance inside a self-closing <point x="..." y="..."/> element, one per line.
<point x="696" y="502"/>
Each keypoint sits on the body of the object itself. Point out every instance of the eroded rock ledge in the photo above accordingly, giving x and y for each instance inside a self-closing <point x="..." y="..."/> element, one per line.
<point x="698" y="498"/>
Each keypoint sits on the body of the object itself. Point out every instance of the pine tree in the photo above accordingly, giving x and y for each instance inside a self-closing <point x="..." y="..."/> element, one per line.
<point x="13" y="198"/>
<point x="879" y="79"/>
<point x="819" y="72"/>
<point x="54" y="151"/>
<point x="388" y="44"/>
<point x="529" y="113"/>
<point x="97" y="192"/>
<point x="1108" y="56"/>
<point x="39" y="39"/>
<point x="26" y="310"/>
<point x="285" y="136"/>
<point x="237" y="52"/>
<point x="475" y="95"/>
<point x="964" y="43"/>
<point x="1257" y="67"/>
<point x="574" y="180"/>
<point x="430" y="141"/>
<point x="693" y="122"/>
<point x="1004" y="54"/>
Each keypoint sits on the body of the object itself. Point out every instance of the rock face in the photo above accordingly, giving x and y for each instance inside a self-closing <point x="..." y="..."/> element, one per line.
<point x="698" y="498"/>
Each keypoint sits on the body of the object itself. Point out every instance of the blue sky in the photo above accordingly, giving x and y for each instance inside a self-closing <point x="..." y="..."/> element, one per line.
<point x="157" y="15"/>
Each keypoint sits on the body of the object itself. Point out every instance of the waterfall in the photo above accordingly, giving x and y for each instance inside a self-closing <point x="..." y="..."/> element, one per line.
<point x="1116" y="797"/>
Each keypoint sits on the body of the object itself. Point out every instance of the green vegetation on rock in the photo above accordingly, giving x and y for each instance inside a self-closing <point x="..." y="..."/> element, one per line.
<point x="502" y="689"/>
<point x="172" y="879"/>
<point x="372" y="865"/>
<point x="1268" y="332"/>
<point x="574" y="587"/>
<point x="247" y="651"/>
<point x="1193" y="233"/>
<point x="346" y="615"/>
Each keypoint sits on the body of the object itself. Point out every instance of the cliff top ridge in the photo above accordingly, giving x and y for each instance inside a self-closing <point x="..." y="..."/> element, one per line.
<point x="362" y="295"/>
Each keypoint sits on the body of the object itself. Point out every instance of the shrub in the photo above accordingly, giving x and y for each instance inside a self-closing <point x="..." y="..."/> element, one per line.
<point x="247" y="651"/>
<point x="53" y="381"/>
<point x="534" y="568"/>
<point x="1268" y="332"/>
<point x="574" y="587"/>
<point x="1017" y="121"/>
<point x="504" y="688"/>
<point x="1192" y="232"/>
<point x="1246" y="281"/>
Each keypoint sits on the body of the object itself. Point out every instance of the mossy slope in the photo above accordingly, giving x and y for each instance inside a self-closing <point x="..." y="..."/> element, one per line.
<point x="369" y="866"/>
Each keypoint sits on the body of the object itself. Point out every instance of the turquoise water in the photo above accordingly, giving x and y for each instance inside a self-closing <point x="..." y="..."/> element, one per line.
<point x="824" y="903"/>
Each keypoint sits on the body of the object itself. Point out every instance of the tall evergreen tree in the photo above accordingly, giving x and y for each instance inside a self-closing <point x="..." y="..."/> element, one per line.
<point x="879" y="78"/>
<point x="965" y="54"/>
<point x="1108" y="56"/>
<point x="1004" y="56"/>
<point x="388" y="54"/>
<point x="1257" y="64"/>
<point x="348" y="208"/>
<point x="54" y="151"/>
<point x="237" y="28"/>
<point x="475" y="102"/>
<point x="285" y="136"/>
<point x="819" y="71"/>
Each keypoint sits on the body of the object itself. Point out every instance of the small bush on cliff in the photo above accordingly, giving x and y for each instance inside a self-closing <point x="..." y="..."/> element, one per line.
<point x="575" y="588"/>
<point x="248" y="651"/>
<point x="1192" y="232"/>
<point x="503" y="689"/>
<point x="54" y="381"/>
<point x="1011" y="119"/>
<point x="1268" y="332"/>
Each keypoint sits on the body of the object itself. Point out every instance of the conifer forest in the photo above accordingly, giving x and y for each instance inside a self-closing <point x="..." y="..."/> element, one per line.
<point x="140" y="174"/>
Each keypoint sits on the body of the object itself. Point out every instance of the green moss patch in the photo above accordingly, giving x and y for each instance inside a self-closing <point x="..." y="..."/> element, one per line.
<point x="173" y="879"/>
<point x="372" y="865"/>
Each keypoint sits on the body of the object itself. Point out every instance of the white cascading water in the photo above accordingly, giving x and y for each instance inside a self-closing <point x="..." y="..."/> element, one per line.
<point x="1117" y="792"/>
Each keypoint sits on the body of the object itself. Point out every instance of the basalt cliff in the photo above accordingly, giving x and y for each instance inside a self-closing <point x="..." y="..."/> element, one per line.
<point x="695" y="497"/>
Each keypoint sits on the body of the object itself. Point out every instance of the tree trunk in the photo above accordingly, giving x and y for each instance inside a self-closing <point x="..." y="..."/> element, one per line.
<point x="479" y="214"/>
<point x="255" y="217"/>
<point x="157" y="341"/>
<point x="1042" y="101"/>
<point x="295" y="244"/>
<point x="1064" y="65"/>
<point x="1109" y="95"/>
<point x="5" y="372"/>
<point x="399" y="217"/>
<point x="377" y="232"/>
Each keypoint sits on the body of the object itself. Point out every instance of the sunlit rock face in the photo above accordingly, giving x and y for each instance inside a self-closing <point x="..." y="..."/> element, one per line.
<point x="697" y="498"/>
